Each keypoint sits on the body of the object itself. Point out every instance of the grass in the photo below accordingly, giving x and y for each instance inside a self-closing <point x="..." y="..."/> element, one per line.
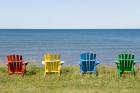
<point x="70" y="81"/>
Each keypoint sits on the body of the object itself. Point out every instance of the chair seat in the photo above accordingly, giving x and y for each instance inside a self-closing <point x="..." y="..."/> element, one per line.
<point x="15" y="73"/>
<point x="88" y="71"/>
<point x="52" y="71"/>
<point x="126" y="71"/>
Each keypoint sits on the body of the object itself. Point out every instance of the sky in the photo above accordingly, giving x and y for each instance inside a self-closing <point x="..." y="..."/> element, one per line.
<point x="69" y="14"/>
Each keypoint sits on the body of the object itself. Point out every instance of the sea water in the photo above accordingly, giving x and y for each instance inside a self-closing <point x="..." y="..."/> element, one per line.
<point x="70" y="43"/>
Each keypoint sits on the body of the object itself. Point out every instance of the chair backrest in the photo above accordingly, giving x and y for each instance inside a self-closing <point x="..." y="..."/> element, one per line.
<point x="126" y="61"/>
<point x="15" y="63"/>
<point x="51" y="57"/>
<point x="52" y="62"/>
<point x="88" y="61"/>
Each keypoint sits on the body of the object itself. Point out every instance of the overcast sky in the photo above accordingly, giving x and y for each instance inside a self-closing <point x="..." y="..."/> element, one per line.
<point x="69" y="14"/>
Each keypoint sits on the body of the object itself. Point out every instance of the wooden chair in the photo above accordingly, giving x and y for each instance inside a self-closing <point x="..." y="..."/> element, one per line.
<point x="52" y="64"/>
<point x="88" y="63"/>
<point x="16" y="64"/>
<point x="125" y="63"/>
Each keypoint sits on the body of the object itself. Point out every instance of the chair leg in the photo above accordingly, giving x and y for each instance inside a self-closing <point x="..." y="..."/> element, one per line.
<point x="22" y="74"/>
<point x="133" y="75"/>
<point x="81" y="73"/>
<point x="96" y="73"/>
<point x="119" y="74"/>
<point x="44" y="74"/>
<point x="59" y="73"/>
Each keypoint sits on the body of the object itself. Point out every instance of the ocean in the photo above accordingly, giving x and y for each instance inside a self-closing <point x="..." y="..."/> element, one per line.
<point x="70" y="43"/>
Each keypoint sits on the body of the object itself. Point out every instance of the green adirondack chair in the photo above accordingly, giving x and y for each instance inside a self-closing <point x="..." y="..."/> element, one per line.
<point x="125" y="63"/>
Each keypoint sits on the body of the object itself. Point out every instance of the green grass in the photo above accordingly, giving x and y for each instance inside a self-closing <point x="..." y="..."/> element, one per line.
<point x="70" y="81"/>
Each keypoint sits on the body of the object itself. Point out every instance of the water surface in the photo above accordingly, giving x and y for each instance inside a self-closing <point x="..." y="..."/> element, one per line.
<point x="33" y="43"/>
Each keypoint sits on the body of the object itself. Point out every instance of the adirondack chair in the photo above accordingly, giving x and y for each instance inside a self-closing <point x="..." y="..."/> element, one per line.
<point x="52" y="64"/>
<point x="88" y="63"/>
<point x="125" y="63"/>
<point x="16" y="65"/>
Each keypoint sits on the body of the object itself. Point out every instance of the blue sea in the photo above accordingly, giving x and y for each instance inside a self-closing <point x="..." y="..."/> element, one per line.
<point x="33" y="43"/>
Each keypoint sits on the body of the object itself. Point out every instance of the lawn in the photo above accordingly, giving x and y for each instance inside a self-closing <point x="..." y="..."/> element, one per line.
<point x="70" y="81"/>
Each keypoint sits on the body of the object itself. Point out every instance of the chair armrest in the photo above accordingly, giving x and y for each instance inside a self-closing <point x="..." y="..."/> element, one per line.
<point x="97" y="62"/>
<point x="7" y="64"/>
<point x="25" y="63"/>
<point x="61" y="62"/>
<point x="80" y="63"/>
<point x="118" y="64"/>
<point x="136" y="61"/>
<point x="43" y="62"/>
<point x="116" y="61"/>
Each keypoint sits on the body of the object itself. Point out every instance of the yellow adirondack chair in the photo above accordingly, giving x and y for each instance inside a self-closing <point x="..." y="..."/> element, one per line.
<point x="52" y="63"/>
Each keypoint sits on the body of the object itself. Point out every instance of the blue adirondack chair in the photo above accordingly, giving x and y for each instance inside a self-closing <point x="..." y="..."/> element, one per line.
<point x="88" y="63"/>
